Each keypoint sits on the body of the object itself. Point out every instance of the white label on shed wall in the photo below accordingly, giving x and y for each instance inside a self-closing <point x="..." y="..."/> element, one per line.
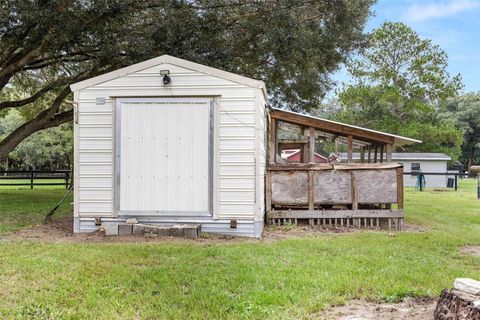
<point x="164" y="156"/>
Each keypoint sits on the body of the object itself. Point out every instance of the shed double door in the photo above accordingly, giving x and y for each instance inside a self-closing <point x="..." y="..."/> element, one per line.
<point x="163" y="156"/>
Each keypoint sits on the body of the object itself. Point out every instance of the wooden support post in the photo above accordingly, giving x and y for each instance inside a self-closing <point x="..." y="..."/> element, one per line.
<point x="311" y="203"/>
<point x="381" y="153"/>
<point x="272" y="141"/>
<point x="369" y="153"/>
<point x="354" y="191"/>
<point x="305" y="154"/>
<point x="350" y="149"/>
<point x="362" y="154"/>
<point x="389" y="152"/>
<point x="312" y="145"/>
<point x="400" y="188"/>
<point x="268" y="190"/>
<point x="375" y="155"/>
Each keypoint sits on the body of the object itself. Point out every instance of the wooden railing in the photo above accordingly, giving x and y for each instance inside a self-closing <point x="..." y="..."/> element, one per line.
<point x="36" y="178"/>
<point x="346" y="193"/>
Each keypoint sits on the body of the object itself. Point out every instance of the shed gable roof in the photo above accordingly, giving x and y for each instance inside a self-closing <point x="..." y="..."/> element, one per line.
<point x="174" y="61"/>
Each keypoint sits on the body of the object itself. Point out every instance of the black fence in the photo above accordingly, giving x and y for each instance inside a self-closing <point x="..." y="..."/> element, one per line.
<point x="36" y="178"/>
<point x="450" y="183"/>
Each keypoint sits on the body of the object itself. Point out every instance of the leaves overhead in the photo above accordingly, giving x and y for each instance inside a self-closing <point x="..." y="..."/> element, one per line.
<point x="293" y="45"/>
<point x="397" y="57"/>
<point x="399" y="80"/>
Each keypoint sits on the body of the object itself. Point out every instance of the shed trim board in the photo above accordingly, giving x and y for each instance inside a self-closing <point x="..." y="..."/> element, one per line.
<point x="118" y="151"/>
<point x="166" y="59"/>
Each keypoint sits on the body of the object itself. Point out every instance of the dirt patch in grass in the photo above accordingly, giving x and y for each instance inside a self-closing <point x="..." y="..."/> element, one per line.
<point x="472" y="250"/>
<point x="61" y="230"/>
<point x="408" y="308"/>
<point x="290" y="231"/>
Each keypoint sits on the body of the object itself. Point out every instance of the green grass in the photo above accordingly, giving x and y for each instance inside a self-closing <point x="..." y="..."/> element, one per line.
<point x="22" y="207"/>
<point x="287" y="279"/>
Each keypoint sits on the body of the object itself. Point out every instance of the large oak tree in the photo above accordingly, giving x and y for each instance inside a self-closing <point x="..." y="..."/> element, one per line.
<point x="399" y="81"/>
<point x="45" y="45"/>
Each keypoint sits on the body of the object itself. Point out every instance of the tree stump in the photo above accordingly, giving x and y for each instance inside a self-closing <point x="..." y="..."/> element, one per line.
<point x="457" y="305"/>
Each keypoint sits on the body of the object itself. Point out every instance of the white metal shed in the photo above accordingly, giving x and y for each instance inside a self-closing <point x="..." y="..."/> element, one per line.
<point x="190" y="151"/>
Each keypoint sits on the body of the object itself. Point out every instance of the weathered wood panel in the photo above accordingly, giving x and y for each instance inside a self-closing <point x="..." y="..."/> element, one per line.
<point x="332" y="187"/>
<point x="377" y="186"/>
<point x="305" y="214"/>
<point x="289" y="187"/>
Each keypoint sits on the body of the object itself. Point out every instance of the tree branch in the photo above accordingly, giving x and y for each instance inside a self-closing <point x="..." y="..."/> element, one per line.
<point x="46" y="119"/>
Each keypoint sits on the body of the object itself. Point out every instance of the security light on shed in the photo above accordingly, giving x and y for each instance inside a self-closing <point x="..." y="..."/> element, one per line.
<point x="166" y="78"/>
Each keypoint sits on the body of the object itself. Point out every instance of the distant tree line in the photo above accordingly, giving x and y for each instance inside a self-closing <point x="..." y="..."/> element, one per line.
<point x="401" y="85"/>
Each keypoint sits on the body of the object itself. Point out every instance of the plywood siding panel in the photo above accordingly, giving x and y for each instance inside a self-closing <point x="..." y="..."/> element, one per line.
<point x="377" y="186"/>
<point x="332" y="187"/>
<point x="289" y="187"/>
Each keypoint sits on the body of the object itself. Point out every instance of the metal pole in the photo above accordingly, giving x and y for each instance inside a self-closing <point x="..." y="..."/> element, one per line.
<point x="31" y="178"/>
<point x="478" y="185"/>
<point x="456" y="182"/>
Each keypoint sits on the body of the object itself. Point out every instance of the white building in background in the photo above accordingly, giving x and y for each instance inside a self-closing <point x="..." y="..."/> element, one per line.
<point x="426" y="163"/>
<point x="420" y="161"/>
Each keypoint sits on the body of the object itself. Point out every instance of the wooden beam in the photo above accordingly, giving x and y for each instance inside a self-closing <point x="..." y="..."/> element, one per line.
<point x="400" y="187"/>
<point x="272" y="140"/>
<point x="268" y="190"/>
<point x="306" y="214"/>
<point x="381" y="153"/>
<point x="369" y="154"/>
<point x="350" y="149"/>
<point x="389" y="152"/>
<point x="332" y="127"/>
<point x="354" y="191"/>
<point x="331" y="166"/>
<point x="362" y="154"/>
<point x="312" y="145"/>
<point x="311" y="203"/>
<point x="375" y="155"/>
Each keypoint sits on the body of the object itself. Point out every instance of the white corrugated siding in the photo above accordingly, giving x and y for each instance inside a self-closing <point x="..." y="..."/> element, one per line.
<point x="237" y="135"/>
<point x="164" y="156"/>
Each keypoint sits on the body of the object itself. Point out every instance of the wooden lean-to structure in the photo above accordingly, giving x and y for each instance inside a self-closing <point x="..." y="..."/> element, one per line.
<point x="367" y="193"/>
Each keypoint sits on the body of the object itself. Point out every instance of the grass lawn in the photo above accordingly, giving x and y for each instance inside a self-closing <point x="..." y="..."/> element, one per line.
<point x="293" y="278"/>
<point x="21" y="207"/>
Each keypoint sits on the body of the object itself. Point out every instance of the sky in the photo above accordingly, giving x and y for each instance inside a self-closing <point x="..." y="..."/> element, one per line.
<point x="452" y="24"/>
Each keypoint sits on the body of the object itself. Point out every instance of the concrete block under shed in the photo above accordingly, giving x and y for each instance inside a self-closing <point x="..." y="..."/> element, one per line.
<point x="192" y="231"/>
<point x="163" y="231"/>
<point x="111" y="229"/>
<point x="125" y="229"/>
<point x="177" y="230"/>
<point x="138" y="230"/>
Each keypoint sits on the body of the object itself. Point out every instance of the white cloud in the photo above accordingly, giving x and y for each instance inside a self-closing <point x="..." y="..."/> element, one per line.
<point x="422" y="12"/>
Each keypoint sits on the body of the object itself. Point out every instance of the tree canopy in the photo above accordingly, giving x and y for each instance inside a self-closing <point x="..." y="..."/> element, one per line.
<point x="399" y="80"/>
<point x="45" y="45"/>
<point x="464" y="112"/>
